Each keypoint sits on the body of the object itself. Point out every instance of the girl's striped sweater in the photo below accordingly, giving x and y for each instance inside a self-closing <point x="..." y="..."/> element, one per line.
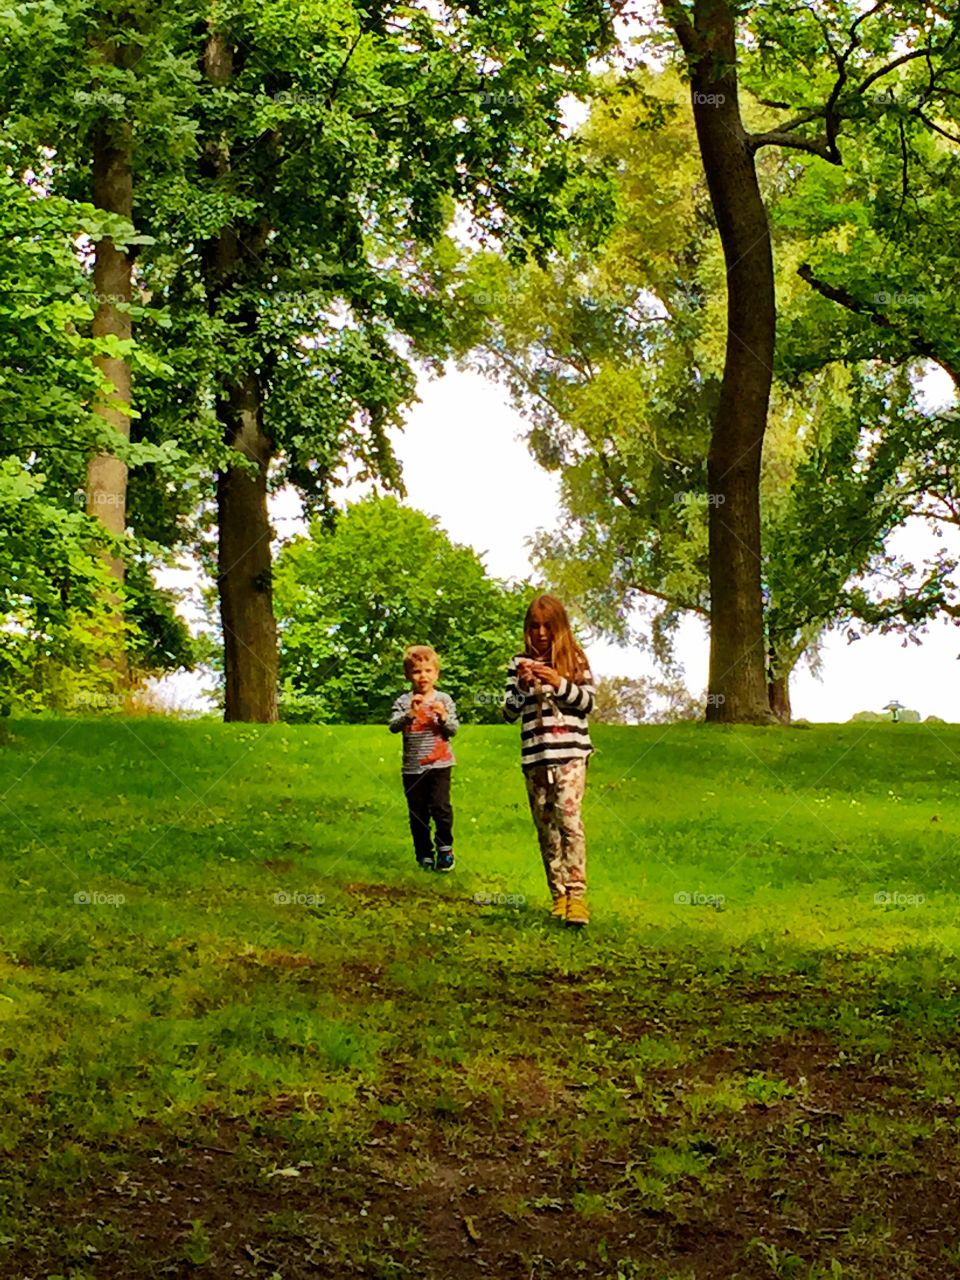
<point x="553" y="724"/>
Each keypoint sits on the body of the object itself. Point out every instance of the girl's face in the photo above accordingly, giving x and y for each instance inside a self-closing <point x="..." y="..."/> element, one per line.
<point x="539" y="630"/>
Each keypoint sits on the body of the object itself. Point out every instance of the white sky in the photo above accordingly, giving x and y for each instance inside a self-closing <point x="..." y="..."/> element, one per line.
<point x="465" y="462"/>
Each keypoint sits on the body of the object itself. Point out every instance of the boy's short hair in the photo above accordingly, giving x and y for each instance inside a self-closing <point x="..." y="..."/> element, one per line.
<point x="419" y="653"/>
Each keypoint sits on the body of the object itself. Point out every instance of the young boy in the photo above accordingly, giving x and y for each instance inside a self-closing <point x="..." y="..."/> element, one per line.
<point x="427" y="719"/>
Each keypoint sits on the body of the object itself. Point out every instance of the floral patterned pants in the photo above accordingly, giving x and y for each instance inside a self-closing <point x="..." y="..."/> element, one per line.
<point x="556" y="794"/>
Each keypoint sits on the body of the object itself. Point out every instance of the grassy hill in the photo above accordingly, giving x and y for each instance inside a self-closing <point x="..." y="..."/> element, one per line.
<point x="242" y="1035"/>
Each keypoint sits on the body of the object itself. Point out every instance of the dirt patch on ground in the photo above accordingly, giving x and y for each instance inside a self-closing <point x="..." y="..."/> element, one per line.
<point x="581" y="1151"/>
<point x="280" y="865"/>
<point x="390" y="892"/>
<point x="514" y="1212"/>
<point x="356" y="978"/>
<point x="275" y="958"/>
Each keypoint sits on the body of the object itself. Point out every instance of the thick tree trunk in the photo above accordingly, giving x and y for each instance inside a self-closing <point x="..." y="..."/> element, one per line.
<point x="244" y="578"/>
<point x="106" y="480"/>
<point x="244" y="564"/>
<point x="737" y="681"/>
<point x="112" y="282"/>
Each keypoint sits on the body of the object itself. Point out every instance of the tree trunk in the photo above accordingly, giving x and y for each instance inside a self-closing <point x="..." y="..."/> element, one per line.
<point x="244" y="563"/>
<point x="244" y="577"/>
<point x="112" y="282"/>
<point x="737" y="681"/>
<point x="778" y="694"/>
<point x="106" y="481"/>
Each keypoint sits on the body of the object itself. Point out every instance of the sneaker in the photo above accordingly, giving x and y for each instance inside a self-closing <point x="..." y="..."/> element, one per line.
<point x="559" y="908"/>
<point x="445" y="860"/>
<point x="425" y="864"/>
<point x="577" y="913"/>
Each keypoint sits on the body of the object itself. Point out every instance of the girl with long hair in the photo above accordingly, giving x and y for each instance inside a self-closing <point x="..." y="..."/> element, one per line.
<point x="550" y="690"/>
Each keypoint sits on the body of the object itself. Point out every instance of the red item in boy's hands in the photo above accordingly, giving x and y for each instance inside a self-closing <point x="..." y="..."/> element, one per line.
<point x="423" y="720"/>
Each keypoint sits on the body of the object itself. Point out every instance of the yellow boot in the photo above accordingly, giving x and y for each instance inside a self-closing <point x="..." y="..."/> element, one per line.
<point x="559" y="909"/>
<point x="577" y="913"/>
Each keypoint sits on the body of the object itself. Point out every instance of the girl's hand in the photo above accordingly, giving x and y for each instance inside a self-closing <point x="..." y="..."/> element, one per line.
<point x="546" y="675"/>
<point x="525" y="673"/>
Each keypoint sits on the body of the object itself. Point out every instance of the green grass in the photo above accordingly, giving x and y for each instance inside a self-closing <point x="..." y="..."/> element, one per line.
<point x="242" y="1035"/>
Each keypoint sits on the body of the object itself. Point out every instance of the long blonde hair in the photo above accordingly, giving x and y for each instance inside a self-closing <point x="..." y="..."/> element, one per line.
<point x="564" y="655"/>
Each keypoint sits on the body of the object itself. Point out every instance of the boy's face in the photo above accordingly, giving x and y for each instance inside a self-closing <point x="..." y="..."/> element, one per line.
<point x="423" y="675"/>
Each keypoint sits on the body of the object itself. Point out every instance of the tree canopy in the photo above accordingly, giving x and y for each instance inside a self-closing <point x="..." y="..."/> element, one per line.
<point x="282" y="195"/>
<point x="351" y="598"/>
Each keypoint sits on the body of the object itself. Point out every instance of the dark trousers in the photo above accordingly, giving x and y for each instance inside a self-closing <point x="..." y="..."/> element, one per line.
<point x="428" y="796"/>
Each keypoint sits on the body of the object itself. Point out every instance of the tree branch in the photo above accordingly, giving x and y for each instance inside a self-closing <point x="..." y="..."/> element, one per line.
<point x="522" y="376"/>
<point x="952" y="137"/>
<point x="770" y="102"/>
<point x="821" y="147"/>
<point x="670" y="600"/>
<point x="335" y="86"/>
<point x="949" y="503"/>
<point x="618" y="488"/>
<point x="874" y="76"/>
<point x="826" y="147"/>
<point x="804" y="118"/>
<point x="678" y="18"/>
<point x="846" y="299"/>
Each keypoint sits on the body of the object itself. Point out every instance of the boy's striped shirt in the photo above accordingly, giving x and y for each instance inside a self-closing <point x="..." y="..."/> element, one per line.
<point x="425" y="745"/>
<point x="563" y="734"/>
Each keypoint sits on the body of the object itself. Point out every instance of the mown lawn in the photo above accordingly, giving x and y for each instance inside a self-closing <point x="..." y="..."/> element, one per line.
<point x="241" y="1034"/>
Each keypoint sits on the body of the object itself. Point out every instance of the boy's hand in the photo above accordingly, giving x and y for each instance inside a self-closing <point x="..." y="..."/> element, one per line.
<point x="439" y="710"/>
<point x="416" y="702"/>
